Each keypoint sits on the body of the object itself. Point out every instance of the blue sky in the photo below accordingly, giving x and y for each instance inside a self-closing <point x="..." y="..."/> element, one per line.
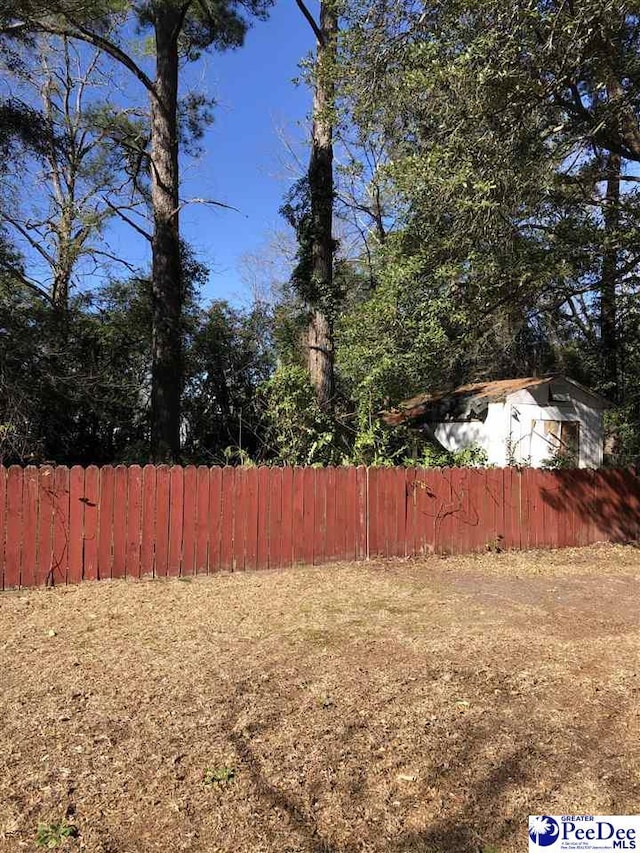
<point x="244" y="160"/>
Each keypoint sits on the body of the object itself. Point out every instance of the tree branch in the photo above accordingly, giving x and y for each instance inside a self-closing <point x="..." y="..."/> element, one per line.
<point x="116" y="52"/>
<point x="80" y="32"/>
<point x="35" y="244"/>
<point x="130" y="222"/>
<point x="180" y="22"/>
<point x="311" y="21"/>
<point x="15" y="271"/>
<point x="187" y="201"/>
<point x="131" y="267"/>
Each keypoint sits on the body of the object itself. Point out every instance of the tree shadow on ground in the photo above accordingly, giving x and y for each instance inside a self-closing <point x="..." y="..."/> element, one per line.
<point x="305" y="824"/>
<point x="487" y="789"/>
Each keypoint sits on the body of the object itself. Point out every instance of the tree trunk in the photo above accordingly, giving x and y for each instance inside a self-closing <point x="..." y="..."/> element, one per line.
<point x="608" y="281"/>
<point x="166" y="352"/>
<point x="60" y="289"/>
<point x="320" y="331"/>
<point x="320" y="343"/>
<point x="65" y="257"/>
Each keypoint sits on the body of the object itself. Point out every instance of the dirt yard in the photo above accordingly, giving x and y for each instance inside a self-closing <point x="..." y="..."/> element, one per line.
<point x="399" y="706"/>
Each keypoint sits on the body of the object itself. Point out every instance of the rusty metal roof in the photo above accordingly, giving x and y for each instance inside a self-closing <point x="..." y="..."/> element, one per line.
<point x="490" y="391"/>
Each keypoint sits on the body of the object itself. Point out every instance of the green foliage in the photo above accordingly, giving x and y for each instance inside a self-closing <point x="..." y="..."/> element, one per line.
<point x="229" y="357"/>
<point x="471" y="456"/>
<point x="74" y="388"/>
<point x="496" y="125"/>
<point x="219" y="777"/>
<point x="296" y="209"/>
<point x="560" y="461"/>
<point x="378" y="445"/>
<point x="238" y="457"/>
<point x="622" y="436"/>
<point x="71" y="384"/>
<point x="195" y="115"/>
<point x="127" y="137"/>
<point x="409" y="321"/>
<point x="298" y="432"/>
<point x="52" y="835"/>
<point x="20" y="124"/>
<point x="207" y="24"/>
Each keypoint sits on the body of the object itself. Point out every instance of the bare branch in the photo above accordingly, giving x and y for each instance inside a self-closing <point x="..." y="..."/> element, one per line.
<point x="26" y="282"/>
<point x="209" y="201"/>
<point x="110" y="256"/>
<point x="311" y="21"/>
<point x="23" y="230"/>
<point x="78" y="31"/>
<point x="126" y="219"/>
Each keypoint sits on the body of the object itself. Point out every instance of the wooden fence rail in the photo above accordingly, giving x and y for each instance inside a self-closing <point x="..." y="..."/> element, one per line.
<point x="63" y="525"/>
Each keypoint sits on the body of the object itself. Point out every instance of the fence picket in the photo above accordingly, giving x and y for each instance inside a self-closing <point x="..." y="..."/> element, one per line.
<point x="176" y="520"/>
<point x="163" y="508"/>
<point x="147" y="542"/>
<point x="297" y="517"/>
<point x="76" y="524"/>
<point x="309" y="515"/>
<point x="251" y="519"/>
<point x="120" y="511"/>
<point x="275" y="517"/>
<point x="362" y="542"/>
<point x="60" y="525"/>
<point x="351" y="513"/>
<point x="91" y="498"/>
<point x="3" y="519"/>
<point x="202" y="521"/>
<point x="134" y="522"/>
<point x="105" y="522"/>
<point x="286" y="554"/>
<point x="342" y="509"/>
<point x="263" y="525"/>
<point x="228" y="499"/>
<point x="320" y="519"/>
<point x="13" y="541"/>
<point x="375" y="520"/>
<point x="45" y="524"/>
<point x="188" y="563"/>
<point x="30" y="526"/>
<point x="216" y="519"/>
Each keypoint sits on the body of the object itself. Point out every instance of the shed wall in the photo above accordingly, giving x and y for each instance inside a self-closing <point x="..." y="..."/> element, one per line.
<point x="513" y="431"/>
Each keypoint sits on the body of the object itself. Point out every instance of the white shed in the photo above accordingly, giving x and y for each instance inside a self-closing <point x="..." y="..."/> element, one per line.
<point x="528" y="421"/>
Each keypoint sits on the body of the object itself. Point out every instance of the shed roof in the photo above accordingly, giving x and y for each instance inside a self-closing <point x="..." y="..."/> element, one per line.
<point x="493" y="391"/>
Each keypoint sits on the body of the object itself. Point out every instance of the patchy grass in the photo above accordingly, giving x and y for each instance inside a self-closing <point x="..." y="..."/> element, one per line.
<point x="219" y="775"/>
<point x="54" y="835"/>
<point x="400" y="706"/>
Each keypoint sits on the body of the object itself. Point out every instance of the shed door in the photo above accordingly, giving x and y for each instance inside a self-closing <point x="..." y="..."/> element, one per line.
<point x="564" y="438"/>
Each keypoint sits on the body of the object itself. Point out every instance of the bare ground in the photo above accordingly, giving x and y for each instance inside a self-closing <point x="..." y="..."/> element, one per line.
<point x="399" y="706"/>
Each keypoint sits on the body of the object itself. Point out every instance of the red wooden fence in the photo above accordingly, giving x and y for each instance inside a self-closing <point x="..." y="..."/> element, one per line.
<point x="61" y="525"/>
